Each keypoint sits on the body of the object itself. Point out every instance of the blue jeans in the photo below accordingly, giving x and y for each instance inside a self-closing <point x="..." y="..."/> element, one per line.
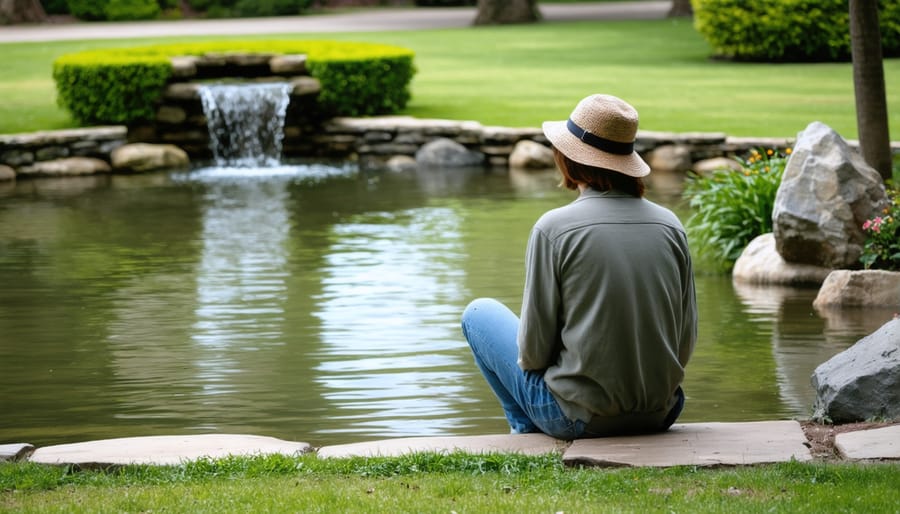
<point x="491" y="330"/>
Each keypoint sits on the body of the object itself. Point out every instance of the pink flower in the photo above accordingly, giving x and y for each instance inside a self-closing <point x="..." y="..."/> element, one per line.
<point x="867" y="225"/>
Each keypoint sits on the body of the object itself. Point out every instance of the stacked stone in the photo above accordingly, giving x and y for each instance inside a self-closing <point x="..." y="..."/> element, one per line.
<point x="59" y="153"/>
<point x="179" y="114"/>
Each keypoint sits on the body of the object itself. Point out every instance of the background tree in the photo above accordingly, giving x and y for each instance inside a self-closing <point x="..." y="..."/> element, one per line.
<point x="21" y="11"/>
<point x="494" y="12"/>
<point x="681" y="8"/>
<point x="868" y="83"/>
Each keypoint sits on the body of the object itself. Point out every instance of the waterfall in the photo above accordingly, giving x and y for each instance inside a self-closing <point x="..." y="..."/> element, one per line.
<point x="246" y="122"/>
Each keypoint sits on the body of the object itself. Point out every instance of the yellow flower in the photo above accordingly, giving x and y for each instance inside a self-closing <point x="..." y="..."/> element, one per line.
<point x="770" y="152"/>
<point x="787" y="151"/>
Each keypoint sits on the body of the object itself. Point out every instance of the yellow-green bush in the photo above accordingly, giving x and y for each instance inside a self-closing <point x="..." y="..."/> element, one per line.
<point x="788" y="30"/>
<point x="122" y="85"/>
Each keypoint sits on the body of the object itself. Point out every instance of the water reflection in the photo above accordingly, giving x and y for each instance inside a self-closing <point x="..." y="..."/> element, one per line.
<point x="318" y="303"/>
<point x="801" y="338"/>
<point x="389" y="310"/>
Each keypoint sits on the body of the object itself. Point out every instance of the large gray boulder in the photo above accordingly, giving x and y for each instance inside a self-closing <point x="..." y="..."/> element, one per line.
<point x="760" y="263"/>
<point x="447" y="153"/>
<point x="825" y="196"/>
<point x="143" y="157"/>
<point x="862" y="382"/>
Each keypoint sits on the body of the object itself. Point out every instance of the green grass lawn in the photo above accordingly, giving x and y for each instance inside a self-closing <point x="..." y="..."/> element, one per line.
<point x="523" y="75"/>
<point x="444" y="484"/>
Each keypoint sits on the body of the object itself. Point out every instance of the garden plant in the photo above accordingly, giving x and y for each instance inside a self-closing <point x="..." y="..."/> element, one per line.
<point x="882" y="247"/>
<point x="121" y="85"/>
<point x="730" y="208"/>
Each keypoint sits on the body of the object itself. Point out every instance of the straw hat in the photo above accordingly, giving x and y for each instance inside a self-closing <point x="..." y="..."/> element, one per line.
<point x="600" y="132"/>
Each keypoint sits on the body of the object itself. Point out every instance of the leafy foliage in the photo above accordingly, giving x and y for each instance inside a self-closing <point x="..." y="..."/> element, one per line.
<point x="112" y="90"/>
<point x="110" y="10"/>
<point x="882" y="248"/>
<point x="121" y="85"/>
<point x="733" y="207"/>
<point x="119" y="10"/>
<point x="363" y="87"/>
<point x="788" y="30"/>
<point x="243" y="8"/>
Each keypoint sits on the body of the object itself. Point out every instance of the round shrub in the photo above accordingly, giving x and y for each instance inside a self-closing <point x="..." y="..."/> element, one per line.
<point x="89" y="10"/>
<point x="121" y="86"/>
<point x="122" y="10"/>
<point x="55" y="6"/>
<point x="787" y="30"/>
<point x="117" y="10"/>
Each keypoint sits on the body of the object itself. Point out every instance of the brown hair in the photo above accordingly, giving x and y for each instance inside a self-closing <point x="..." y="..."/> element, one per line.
<point x="600" y="179"/>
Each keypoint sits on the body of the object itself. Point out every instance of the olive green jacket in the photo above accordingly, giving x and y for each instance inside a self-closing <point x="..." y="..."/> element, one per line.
<point x="609" y="312"/>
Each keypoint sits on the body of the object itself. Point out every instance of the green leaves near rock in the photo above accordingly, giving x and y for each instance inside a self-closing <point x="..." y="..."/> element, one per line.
<point x="730" y="208"/>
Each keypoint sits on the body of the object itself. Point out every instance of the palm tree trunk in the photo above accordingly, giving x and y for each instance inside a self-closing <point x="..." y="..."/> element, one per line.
<point x="868" y="83"/>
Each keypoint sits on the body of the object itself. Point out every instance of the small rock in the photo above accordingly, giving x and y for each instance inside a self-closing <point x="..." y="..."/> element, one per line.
<point x="171" y="114"/>
<point x="144" y="157"/>
<point x="305" y="86"/>
<point x="443" y="152"/>
<point x="528" y="154"/>
<point x="7" y="173"/>
<point x="184" y="66"/>
<point x="760" y="263"/>
<point x="70" y="166"/>
<point x="400" y="163"/>
<point x="859" y="288"/>
<point x="288" y="64"/>
<point x="707" y="166"/>
<point x="670" y="158"/>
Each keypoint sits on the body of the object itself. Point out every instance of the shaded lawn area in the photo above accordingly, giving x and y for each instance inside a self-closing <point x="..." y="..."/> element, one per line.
<point x="448" y="483"/>
<point x="523" y="75"/>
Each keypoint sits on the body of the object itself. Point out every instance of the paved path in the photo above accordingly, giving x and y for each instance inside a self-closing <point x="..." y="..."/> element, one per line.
<point x="688" y="444"/>
<point x="369" y="20"/>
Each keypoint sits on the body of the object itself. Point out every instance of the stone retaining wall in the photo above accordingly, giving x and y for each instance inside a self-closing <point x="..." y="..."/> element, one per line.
<point x="59" y="152"/>
<point x="370" y="140"/>
<point x="179" y="116"/>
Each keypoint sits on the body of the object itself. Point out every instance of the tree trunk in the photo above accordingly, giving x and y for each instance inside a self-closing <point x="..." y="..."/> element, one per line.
<point x="681" y="8"/>
<point x="868" y="82"/>
<point x="494" y="12"/>
<point x="21" y="11"/>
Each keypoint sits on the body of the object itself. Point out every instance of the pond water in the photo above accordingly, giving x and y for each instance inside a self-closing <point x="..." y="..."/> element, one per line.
<point x="318" y="303"/>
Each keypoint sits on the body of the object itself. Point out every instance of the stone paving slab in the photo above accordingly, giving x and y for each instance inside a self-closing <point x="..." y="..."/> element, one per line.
<point x="527" y="444"/>
<point x="13" y="452"/>
<point x="696" y="444"/>
<point x="876" y="443"/>
<point x="163" y="450"/>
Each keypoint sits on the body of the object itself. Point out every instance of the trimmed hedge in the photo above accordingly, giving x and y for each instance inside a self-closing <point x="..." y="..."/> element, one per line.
<point x="788" y="30"/>
<point x="121" y="86"/>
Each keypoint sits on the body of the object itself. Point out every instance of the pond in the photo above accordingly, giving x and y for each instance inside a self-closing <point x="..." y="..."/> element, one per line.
<point x="318" y="303"/>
